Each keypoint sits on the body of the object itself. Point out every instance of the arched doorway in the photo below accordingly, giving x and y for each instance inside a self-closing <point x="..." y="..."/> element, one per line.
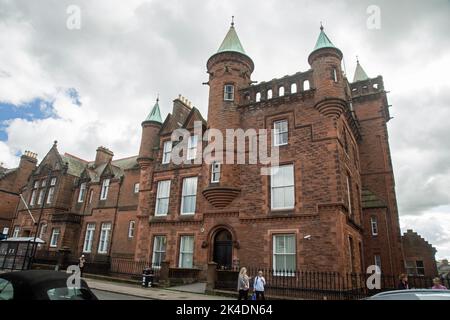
<point x="223" y="249"/>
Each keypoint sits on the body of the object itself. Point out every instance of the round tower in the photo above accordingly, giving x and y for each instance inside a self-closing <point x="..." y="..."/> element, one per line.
<point x="229" y="70"/>
<point x="325" y="61"/>
<point x="150" y="132"/>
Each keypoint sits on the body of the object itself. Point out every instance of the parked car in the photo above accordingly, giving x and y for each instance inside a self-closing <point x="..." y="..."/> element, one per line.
<point x="41" y="285"/>
<point x="413" y="294"/>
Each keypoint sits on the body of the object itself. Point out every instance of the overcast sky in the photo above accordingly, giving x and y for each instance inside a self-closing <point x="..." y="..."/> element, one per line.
<point x="94" y="85"/>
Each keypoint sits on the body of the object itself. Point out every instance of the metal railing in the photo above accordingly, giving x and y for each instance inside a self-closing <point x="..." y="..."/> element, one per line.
<point x="290" y="284"/>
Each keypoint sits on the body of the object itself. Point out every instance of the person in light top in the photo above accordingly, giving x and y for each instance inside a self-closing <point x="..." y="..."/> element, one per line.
<point x="258" y="286"/>
<point x="437" y="285"/>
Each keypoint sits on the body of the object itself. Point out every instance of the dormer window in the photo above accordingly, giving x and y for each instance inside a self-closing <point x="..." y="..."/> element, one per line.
<point x="167" y="151"/>
<point x="192" y="147"/>
<point x="82" y="193"/>
<point x="228" y="92"/>
<point x="105" y="189"/>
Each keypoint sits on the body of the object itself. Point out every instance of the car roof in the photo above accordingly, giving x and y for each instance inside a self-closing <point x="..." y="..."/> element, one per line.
<point x="34" y="277"/>
<point x="413" y="291"/>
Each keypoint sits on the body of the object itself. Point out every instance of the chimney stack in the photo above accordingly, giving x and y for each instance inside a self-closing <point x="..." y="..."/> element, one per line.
<point x="103" y="155"/>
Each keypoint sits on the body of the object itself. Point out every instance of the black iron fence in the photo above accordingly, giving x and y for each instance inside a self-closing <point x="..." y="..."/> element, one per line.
<point x="319" y="285"/>
<point x="132" y="269"/>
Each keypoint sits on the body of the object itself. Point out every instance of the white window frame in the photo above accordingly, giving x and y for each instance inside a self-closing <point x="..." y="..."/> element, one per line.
<point x="41" y="196"/>
<point x="228" y="95"/>
<point x="287" y="185"/>
<point x="131" y="227"/>
<point x="42" y="230"/>
<point x="89" y="238"/>
<point x="105" y="233"/>
<point x="16" y="232"/>
<point x="91" y="195"/>
<point x="278" y="133"/>
<point x="105" y="189"/>
<point x="56" y="232"/>
<point x="136" y="187"/>
<point x="377" y="260"/>
<point x="192" y="147"/>
<point x="284" y="254"/>
<point x="182" y="252"/>
<point x="51" y="193"/>
<point x="82" y="193"/>
<point x="215" y="171"/>
<point x="162" y="186"/>
<point x="193" y="194"/>
<point x="34" y="193"/>
<point x="349" y="196"/>
<point x="159" y="249"/>
<point x="167" y="152"/>
<point x="33" y="197"/>
<point x="335" y="75"/>
<point x="374" y="225"/>
<point x="5" y="231"/>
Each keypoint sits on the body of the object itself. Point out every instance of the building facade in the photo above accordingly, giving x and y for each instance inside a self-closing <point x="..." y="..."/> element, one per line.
<point x="419" y="255"/>
<point x="329" y="205"/>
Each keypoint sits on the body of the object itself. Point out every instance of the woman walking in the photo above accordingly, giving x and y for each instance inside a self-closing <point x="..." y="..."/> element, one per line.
<point x="258" y="286"/>
<point x="243" y="284"/>
<point x="403" y="282"/>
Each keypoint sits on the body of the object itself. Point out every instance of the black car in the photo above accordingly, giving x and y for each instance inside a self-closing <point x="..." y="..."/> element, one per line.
<point x="42" y="285"/>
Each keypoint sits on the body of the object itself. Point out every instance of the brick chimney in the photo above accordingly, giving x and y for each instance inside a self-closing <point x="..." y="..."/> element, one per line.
<point x="103" y="155"/>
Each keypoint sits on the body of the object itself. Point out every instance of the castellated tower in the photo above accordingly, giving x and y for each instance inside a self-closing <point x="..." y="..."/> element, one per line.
<point x="150" y="139"/>
<point x="229" y="71"/>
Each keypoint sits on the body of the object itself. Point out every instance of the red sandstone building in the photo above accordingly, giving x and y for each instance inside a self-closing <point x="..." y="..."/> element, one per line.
<point x="331" y="206"/>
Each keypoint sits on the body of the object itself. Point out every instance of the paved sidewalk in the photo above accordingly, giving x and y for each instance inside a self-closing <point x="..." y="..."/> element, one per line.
<point x="149" y="293"/>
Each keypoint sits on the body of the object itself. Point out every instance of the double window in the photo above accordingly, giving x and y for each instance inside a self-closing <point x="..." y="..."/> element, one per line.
<point x="82" y="193"/>
<point x="34" y="193"/>
<point x="415" y="267"/>
<point x="284" y="257"/>
<point x="105" y="189"/>
<point x="374" y="225"/>
<point x="51" y="190"/>
<point x="282" y="186"/>
<point x="280" y="133"/>
<point x="89" y="238"/>
<point x="167" y="152"/>
<point x="55" y="237"/>
<point x="228" y="92"/>
<point x="16" y="232"/>
<point x="131" y="227"/>
<point x="215" y="172"/>
<point x="162" y="198"/>
<point x="186" y="252"/>
<point x="105" y="233"/>
<point x="159" y="251"/>
<point x="189" y="195"/>
<point x="192" y="148"/>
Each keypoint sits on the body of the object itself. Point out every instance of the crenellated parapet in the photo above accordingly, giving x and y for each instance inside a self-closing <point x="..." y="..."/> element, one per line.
<point x="296" y="84"/>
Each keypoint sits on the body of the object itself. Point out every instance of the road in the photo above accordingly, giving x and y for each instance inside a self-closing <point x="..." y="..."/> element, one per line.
<point x="105" y="295"/>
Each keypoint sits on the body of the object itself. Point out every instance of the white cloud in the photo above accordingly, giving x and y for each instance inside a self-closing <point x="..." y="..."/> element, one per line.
<point x="127" y="52"/>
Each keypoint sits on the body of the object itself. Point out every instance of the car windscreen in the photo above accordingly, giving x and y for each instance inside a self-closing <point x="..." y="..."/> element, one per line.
<point x="66" y="293"/>
<point x="6" y="290"/>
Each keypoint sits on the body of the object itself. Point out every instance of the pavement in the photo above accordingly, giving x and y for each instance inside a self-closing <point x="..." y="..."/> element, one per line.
<point x="173" y="293"/>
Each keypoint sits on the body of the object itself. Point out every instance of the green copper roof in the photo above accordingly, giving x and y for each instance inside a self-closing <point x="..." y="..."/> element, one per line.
<point x="231" y="42"/>
<point x="360" y="74"/>
<point x="155" y="114"/>
<point x="323" y="41"/>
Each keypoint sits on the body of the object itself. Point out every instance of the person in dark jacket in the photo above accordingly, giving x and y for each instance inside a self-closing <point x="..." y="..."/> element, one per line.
<point x="403" y="283"/>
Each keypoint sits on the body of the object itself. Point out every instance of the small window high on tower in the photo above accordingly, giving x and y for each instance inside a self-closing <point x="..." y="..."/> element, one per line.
<point x="228" y="92"/>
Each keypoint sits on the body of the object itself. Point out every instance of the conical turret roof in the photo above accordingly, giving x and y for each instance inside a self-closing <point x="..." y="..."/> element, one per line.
<point x="231" y="42"/>
<point x="360" y="74"/>
<point x="155" y="114"/>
